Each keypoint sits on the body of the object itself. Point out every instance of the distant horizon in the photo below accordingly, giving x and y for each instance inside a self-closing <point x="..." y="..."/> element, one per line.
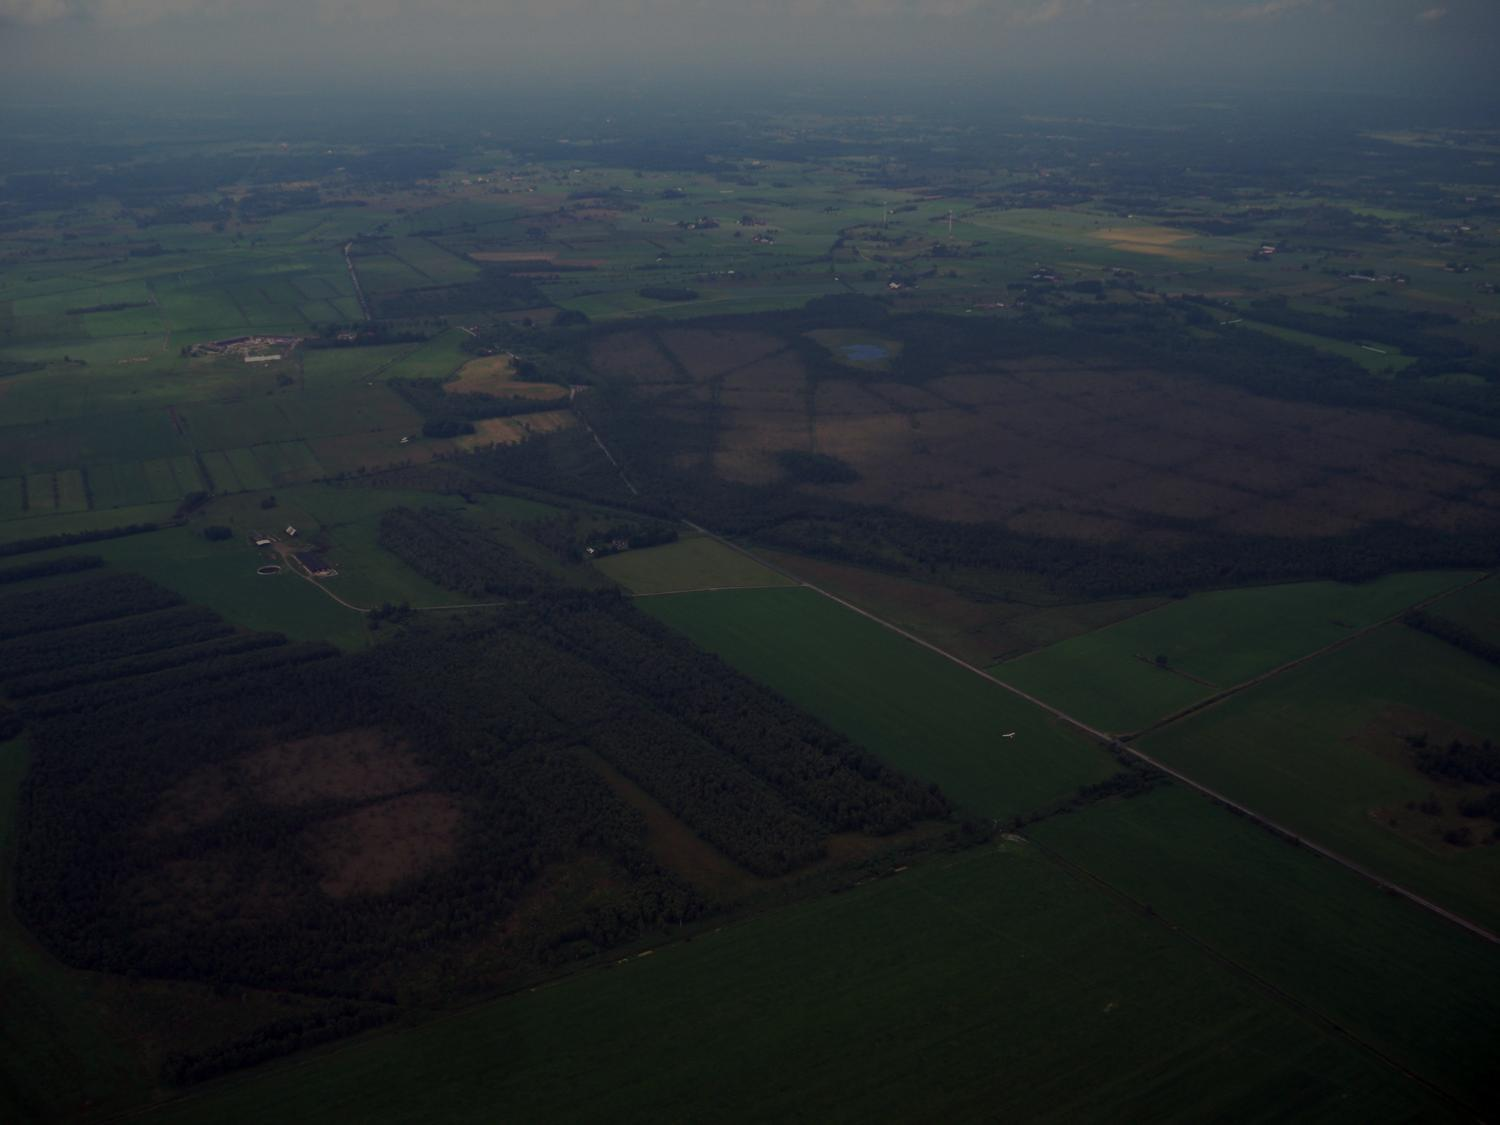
<point x="1400" y="48"/>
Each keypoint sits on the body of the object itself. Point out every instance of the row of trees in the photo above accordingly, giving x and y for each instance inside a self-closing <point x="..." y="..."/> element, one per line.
<point x="109" y="640"/>
<point x="820" y="773"/>
<point x="1459" y="636"/>
<point x="45" y="683"/>
<point x="100" y="599"/>
<point x="63" y="564"/>
<point x="72" y="539"/>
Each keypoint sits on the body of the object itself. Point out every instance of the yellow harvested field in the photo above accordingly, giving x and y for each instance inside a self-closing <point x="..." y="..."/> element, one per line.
<point x="1158" y="251"/>
<point x="510" y="431"/>
<point x="546" y="422"/>
<point x="514" y="255"/>
<point x="491" y="431"/>
<point x="1149" y="236"/>
<point x="496" y="375"/>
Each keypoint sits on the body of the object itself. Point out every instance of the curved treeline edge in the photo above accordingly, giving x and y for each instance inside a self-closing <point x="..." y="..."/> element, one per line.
<point x="67" y="564"/>
<point x="148" y="842"/>
<point x="285" y="1036"/>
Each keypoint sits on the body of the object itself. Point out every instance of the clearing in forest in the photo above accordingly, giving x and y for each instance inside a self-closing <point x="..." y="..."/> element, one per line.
<point x="693" y="563"/>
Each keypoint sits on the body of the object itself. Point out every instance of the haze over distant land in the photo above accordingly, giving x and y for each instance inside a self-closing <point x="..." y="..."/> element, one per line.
<point x="1399" y="47"/>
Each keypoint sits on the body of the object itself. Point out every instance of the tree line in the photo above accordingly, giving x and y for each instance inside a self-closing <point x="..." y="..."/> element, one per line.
<point x="72" y="539"/>
<point x="63" y="564"/>
<point x="451" y="551"/>
<point x="504" y="711"/>
<point x="1459" y="636"/>
<point x="99" y="599"/>
<point x="109" y="640"/>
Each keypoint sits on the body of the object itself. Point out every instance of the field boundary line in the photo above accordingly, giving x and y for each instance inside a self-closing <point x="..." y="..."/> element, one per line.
<point x="1113" y="742"/>
<point x="716" y="589"/>
<point x="359" y="293"/>
<point x="604" y="449"/>
<point x="1235" y="689"/>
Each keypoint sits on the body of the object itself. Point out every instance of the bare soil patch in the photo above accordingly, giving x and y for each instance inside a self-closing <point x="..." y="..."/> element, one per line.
<point x="906" y="397"/>
<point x="201" y="798"/>
<point x="354" y="765"/>
<point x="705" y="353"/>
<point x="634" y="356"/>
<point x="782" y="373"/>
<point x="377" y="847"/>
<point x="1090" y="452"/>
<point x="496" y="375"/>
<point x="514" y="255"/>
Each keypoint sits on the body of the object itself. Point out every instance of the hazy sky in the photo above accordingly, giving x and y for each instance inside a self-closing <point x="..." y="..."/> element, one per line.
<point x="1398" y="44"/>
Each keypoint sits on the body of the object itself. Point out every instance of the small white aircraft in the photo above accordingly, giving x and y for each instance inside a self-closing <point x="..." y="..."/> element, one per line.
<point x="1009" y="734"/>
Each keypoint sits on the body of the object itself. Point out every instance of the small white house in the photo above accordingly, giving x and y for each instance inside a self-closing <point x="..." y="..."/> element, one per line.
<point x="290" y="530"/>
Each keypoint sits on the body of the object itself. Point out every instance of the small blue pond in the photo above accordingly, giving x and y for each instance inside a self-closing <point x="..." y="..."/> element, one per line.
<point x="864" y="353"/>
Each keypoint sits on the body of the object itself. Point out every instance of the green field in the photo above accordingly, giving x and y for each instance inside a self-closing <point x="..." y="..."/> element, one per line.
<point x="1318" y="750"/>
<point x="1476" y="608"/>
<point x="693" y="563"/>
<point x="912" y="707"/>
<point x="222" y="576"/>
<point x="1110" y="679"/>
<point x="990" y="987"/>
<point x="1393" y="975"/>
<point x="37" y="525"/>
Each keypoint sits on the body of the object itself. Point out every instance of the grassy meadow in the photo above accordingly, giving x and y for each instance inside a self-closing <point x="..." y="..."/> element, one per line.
<point x="692" y="563"/>
<point x="1392" y="975"/>
<point x="992" y="985"/>
<point x="918" y="711"/>
<point x="1321" y="750"/>
<point x="1111" y="678"/>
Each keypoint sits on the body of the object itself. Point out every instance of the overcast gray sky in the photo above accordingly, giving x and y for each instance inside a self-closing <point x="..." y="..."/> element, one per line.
<point x="1404" y="44"/>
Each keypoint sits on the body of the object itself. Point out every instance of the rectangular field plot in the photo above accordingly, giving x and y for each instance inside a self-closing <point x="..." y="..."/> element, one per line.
<point x="72" y="491"/>
<point x="132" y="484"/>
<point x="286" y="462"/>
<point x="104" y="487"/>
<point x="12" y="493"/>
<point x="185" y="471"/>
<point x="1111" y="678"/>
<point x="329" y="412"/>
<point x="250" y="422"/>
<point x="160" y="481"/>
<point x="993" y="987"/>
<point x="905" y="703"/>
<point x="49" y="447"/>
<point x="38" y="524"/>
<point x="249" y="471"/>
<point x="689" y="564"/>
<point x="222" y="473"/>
<point x="41" y="496"/>
<point x="1324" y="749"/>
